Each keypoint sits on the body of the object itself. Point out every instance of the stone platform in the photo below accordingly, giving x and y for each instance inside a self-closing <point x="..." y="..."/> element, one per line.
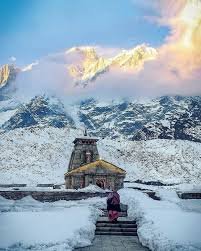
<point x="114" y="243"/>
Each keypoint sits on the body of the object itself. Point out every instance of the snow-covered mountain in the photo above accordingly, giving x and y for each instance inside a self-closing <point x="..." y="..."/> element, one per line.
<point x="161" y="118"/>
<point x="41" y="111"/>
<point x="91" y="65"/>
<point x="151" y="139"/>
<point x="83" y="64"/>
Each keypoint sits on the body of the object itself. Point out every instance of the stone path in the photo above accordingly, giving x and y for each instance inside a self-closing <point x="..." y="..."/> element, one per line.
<point x="115" y="236"/>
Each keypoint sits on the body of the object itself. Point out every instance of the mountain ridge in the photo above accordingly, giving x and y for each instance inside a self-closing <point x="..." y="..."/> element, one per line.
<point x="166" y="117"/>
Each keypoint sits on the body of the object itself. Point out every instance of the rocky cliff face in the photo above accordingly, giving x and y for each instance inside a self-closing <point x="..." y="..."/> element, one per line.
<point x="162" y="118"/>
<point x="40" y="111"/>
<point x="8" y="74"/>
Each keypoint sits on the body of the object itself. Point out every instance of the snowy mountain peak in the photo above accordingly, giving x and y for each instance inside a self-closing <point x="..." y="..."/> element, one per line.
<point x="87" y="51"/>
<point x="91" y="65"/>
<point x="134" y="59"/>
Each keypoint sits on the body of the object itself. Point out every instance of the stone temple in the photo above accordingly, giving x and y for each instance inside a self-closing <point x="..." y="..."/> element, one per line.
<point x="86" y="167"/>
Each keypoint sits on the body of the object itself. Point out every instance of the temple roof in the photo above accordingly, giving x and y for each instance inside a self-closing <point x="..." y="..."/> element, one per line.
<point x="88" y="138"/>
<point x="85" y="137"/>
<point x="96" y="163"/>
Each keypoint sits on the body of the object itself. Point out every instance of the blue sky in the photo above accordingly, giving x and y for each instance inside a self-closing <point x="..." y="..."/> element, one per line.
<point x="31" y="29"/>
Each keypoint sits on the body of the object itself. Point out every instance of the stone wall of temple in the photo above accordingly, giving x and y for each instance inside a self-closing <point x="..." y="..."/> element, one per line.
<point x="105" y="179"/>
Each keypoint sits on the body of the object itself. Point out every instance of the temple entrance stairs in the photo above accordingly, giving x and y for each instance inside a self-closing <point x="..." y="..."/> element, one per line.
<point x="124" y="226"/>
<point x="118" y="236"/>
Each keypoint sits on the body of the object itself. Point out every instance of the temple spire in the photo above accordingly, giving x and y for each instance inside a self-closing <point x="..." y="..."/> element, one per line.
<point x="85" y="132"/>
<point x="85" y="151"/>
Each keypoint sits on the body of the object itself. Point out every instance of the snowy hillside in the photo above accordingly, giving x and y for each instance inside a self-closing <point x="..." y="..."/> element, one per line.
<point x="35" y="155"/>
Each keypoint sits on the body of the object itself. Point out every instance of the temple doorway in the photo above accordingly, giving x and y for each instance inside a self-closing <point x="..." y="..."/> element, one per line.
<point x="100" y="183"/>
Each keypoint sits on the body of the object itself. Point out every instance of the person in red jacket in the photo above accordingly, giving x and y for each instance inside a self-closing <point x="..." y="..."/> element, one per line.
<point x="113" y="206"/>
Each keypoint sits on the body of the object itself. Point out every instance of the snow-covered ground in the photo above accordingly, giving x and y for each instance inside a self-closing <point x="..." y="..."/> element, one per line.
<point x="63" y="225"/>
<point x="41" y="155"/>
<point x="170" y="224"/>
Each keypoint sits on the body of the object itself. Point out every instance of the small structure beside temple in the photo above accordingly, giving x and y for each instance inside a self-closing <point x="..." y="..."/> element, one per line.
<point x="86" y="167"/>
